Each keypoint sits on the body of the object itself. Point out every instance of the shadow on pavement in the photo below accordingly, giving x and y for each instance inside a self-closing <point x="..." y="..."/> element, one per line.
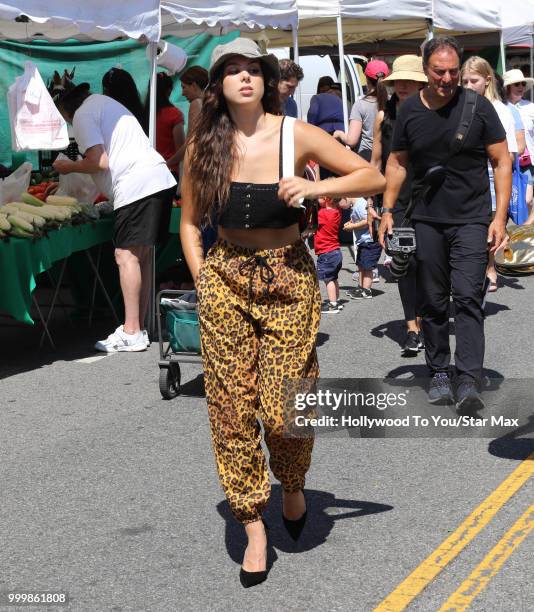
<point x="492" y="308"/>
<point x="20" y="351"/>
<point x="322" y="338"/>
<point x="194" y="387"/>
<point x="324" y="509"/>
<point x="510" y="446"/>
<point x="507" y="281"/>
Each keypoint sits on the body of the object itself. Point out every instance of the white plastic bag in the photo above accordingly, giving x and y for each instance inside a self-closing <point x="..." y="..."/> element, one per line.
<point x="12" y="187"/>
<point x="36" y="124"/>
<point x="77" y="185"/>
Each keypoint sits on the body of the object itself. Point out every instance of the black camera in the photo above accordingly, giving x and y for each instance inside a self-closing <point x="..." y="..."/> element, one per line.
<point x="400" y="246"/>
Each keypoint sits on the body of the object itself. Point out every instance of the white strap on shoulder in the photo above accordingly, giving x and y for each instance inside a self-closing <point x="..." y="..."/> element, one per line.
<point x="288" y="147"/>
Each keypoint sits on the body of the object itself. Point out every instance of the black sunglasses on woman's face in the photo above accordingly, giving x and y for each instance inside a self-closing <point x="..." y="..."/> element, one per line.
<point x="521" y="84"/>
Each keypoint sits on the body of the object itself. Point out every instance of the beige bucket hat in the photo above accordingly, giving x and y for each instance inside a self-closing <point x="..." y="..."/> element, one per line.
<point x="247" y="48"/>
<point x="516" y="76"/>
<point x="407" y="68"/>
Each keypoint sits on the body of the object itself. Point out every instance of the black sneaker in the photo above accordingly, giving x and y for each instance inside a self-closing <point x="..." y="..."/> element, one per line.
<point x="367" y="294"/>
<point x="440" y="391"/>
<point x="411" y="346"/>
<point x="468" y="398"/>
<point x="329" y="308"/>
<point x="420" y="341"/>
<point x="355" y="294"/>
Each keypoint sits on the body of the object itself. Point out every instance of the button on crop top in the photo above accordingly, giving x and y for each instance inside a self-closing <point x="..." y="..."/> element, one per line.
<point x="256" y="205"/>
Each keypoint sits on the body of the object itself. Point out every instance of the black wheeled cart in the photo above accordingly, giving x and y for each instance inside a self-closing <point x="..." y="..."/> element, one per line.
<point x="179" y="337"/>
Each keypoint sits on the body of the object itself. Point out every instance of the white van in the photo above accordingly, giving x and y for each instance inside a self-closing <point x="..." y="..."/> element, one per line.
<point x="316" y="66"/>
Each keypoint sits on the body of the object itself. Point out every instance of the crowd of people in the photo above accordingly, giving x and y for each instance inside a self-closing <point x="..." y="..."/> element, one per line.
<point x="436" y="138"/>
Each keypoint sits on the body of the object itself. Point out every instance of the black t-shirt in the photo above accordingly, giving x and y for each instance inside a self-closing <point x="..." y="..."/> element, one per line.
<point x="387" y="127"/>
<point x="464" y="196"/>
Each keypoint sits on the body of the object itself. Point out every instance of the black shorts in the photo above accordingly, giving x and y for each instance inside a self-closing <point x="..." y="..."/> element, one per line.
<point x="145" y="221"/>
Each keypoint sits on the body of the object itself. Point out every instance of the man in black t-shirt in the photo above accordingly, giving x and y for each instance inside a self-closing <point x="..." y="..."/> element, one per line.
<point x="453" y="220"/>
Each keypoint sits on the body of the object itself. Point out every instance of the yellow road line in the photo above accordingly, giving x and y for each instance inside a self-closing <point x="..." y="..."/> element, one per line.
<point x="490" y="565"/>
<point x="423" y="575"/>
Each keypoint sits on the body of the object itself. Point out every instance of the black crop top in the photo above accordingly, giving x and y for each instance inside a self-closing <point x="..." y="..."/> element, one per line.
<point x="256" y="205"/>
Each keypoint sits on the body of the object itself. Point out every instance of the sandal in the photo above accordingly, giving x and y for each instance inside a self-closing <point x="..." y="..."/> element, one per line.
<point x="492" y="287"/>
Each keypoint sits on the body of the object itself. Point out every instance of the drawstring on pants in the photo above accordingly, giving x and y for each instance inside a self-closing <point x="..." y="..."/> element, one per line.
<point x="266" y="273"/>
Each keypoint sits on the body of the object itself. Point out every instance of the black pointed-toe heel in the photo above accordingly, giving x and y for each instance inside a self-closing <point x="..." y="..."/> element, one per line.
<point x="294" y="528"/>
<point x="250" y="579"/>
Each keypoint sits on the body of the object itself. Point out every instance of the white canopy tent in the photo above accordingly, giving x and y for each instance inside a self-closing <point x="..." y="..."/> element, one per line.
<point x="370" y="20"/>
<point x="101" y="20"/>
<point x="190" y="17"/>
<point x="521" y="36"/>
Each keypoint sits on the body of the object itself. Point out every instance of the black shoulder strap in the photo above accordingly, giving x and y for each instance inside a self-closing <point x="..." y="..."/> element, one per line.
<point x="466" y="120"/>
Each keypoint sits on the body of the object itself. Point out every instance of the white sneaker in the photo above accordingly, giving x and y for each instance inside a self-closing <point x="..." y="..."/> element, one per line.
<point x="145" y="337"/>
<point x="119" y="341"/>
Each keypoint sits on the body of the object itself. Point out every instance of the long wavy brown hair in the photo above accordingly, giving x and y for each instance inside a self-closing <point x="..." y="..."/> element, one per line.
<point x="214" y="152"/>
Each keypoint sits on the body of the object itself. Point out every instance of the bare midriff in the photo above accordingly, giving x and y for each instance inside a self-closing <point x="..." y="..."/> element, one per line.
<point x="261" y="238"/>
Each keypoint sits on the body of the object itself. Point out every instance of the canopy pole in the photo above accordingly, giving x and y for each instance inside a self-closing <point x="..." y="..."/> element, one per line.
<point x="503" y="53"/>
<point x="151" y="312"/>
<point x="342" y="72"/>
<point x="532" y="62"/>
<point x="429" y="30"/>
<point x="294" y="33"/>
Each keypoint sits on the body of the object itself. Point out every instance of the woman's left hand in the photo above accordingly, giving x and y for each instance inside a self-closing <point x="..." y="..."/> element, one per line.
<point x="294" y="190"/>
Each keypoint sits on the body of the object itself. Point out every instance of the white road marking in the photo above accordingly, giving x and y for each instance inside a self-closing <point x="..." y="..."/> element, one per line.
<point x="93" y="359"/>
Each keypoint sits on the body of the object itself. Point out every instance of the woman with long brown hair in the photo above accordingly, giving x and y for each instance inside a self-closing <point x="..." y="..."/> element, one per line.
<point x="259" y="302"/>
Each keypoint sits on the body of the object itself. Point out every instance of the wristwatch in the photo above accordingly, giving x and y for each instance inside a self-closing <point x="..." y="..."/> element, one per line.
<point x="385" y="209"/>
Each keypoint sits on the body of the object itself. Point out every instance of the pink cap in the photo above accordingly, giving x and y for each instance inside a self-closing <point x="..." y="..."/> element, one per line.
<point x="376" y="68"/>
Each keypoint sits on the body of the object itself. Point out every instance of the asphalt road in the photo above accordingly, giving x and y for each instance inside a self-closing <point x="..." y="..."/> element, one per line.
<point x="109" y="493"/>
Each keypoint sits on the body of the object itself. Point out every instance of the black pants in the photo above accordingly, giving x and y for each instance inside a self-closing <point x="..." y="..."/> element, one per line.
<point x="407" y="284"/>
<point x="408" y="291"/>
<point x="452" y="259"/>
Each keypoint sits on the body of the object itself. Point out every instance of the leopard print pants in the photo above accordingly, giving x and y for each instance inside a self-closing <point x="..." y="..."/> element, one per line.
<point x="259" y="314"/>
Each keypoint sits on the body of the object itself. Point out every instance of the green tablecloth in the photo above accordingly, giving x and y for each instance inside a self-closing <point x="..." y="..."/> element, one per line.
<point x="22" y="260"/>
<point x="171" y="250"/>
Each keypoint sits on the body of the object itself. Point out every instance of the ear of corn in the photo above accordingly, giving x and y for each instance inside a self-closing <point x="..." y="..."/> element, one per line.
<point x="61" y="200"/>
<point x="58" y="213"/>
<point x="36" y="220"/>
<point x="4" y="223"/>
<point x="29" y="199"/>
<point x="15" y="207"/>
<point x="10" y="209"/>
<point x="20" y="223"/>
<point x="20" y="233"/>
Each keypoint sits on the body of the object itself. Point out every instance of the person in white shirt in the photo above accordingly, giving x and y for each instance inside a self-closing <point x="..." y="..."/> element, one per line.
<point x="477" y="74"/>
<point x="516" y="85"/>
<point x="126" y="168"/>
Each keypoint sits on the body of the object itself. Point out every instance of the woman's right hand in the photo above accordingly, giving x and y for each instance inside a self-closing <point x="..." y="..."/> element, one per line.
<point x="386" y="227"/>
